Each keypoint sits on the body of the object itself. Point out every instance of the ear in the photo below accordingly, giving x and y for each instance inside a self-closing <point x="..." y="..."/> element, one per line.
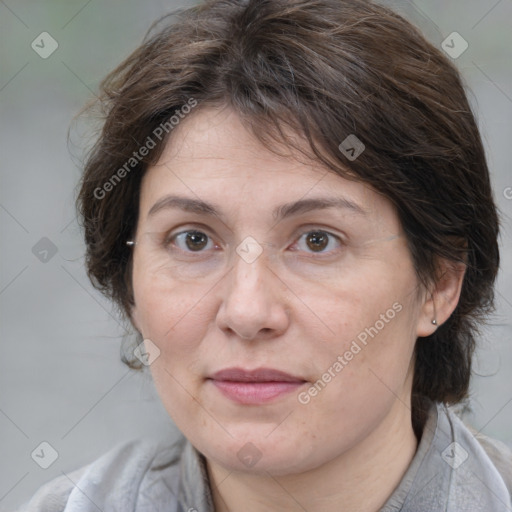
<point x="442" y="298"/>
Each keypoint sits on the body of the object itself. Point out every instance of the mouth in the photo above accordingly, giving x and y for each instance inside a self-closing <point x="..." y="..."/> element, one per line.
<point x="253" y="387"/>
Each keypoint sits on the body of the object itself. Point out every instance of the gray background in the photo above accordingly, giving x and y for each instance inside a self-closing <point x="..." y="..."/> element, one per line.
<point x="61" y="380"/>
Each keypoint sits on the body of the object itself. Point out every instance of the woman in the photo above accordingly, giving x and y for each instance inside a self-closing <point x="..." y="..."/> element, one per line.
<point x="290" y="202"/>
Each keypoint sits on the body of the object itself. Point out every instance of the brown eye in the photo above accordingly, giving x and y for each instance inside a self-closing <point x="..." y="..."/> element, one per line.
<point x="196" y="240"/>
<point x="192" y="241"/>
<point x="317" y="240"/>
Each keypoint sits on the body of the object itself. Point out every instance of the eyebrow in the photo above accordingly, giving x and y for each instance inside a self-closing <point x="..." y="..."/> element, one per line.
<point x="279" y="213"/>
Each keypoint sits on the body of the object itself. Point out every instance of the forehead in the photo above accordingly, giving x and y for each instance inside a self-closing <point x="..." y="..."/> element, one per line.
<point x="212" y="155"/>
<point x="217" y="139"/>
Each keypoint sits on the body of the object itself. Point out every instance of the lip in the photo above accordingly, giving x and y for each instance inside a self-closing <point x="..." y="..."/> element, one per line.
<point x="258" y="386"/>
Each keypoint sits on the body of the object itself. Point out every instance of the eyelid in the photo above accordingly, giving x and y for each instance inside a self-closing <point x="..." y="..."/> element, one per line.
<point x="302" y="230"/>
<point x="185" y="228"/>
<point x="306" y="228"/>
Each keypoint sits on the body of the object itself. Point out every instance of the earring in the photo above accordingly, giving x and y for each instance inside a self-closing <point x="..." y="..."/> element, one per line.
<point x="434" y="321"/>
<point x="130" y="242"/>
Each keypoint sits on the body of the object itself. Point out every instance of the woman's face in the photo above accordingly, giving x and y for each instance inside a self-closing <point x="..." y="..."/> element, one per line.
<point x="282" y="299"/>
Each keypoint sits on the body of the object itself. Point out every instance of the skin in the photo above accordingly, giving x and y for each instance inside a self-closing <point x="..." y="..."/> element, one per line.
<point x="296" y="308"/>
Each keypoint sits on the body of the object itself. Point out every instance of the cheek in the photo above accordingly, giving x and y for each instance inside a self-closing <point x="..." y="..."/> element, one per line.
<point x="371" y="336"/>
<point x="175" y="317"/>
<point x="362" y="307"/>
<point x="170" y="313"/>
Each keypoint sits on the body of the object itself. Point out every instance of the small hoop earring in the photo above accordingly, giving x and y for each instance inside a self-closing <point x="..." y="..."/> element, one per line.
<point x="130" y="242"/>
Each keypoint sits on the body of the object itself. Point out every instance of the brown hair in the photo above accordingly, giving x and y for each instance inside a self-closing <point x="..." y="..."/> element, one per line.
<point x="326" y="69"/>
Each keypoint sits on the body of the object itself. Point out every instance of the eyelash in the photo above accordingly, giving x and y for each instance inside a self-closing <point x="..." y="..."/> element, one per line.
<point x="170" y="240"/>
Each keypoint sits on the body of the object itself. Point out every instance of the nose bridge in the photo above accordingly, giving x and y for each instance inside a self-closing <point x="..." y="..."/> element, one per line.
<point x="249" y="285"/>
<point x="250" y="272"/>
<point x="251" y="302"/>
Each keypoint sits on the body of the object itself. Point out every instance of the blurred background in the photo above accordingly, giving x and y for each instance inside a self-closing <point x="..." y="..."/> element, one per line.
<point x="61" y="379"/>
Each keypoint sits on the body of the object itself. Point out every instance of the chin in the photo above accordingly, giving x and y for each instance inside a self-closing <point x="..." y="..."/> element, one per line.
<point x="259" y="454"/>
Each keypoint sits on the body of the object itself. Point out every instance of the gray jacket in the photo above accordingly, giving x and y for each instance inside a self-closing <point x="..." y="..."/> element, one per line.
<point x="453" y="470"/>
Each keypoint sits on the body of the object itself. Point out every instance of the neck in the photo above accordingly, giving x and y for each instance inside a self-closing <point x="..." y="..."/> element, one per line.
<point x="361" y="479"/>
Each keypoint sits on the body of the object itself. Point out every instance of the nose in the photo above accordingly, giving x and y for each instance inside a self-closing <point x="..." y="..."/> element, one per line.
<point x="253" y="302"/>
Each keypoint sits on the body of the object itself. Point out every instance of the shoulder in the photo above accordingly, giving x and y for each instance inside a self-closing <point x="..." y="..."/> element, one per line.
<point x="489" y="458"/>
<point x="119" y="480"/>
<point x="500" y="455"/>
<point x="52" y="497"/>
<point x="454" y="469"/>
